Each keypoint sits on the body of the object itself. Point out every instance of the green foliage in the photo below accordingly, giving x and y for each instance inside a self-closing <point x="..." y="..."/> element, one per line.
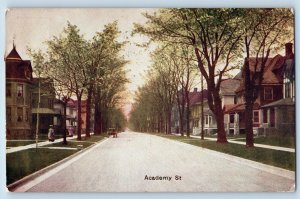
<point x="77" y="65"/>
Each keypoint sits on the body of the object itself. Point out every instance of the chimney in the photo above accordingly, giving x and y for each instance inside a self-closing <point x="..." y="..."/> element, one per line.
<point x="289" y="50"/>
<point x="195" y="90"/>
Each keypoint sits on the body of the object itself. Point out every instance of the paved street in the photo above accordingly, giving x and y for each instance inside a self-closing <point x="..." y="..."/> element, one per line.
<point x="122" y="164"/>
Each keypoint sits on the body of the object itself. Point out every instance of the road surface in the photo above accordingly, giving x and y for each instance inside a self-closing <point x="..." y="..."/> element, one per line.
<point x="136" y="162"/>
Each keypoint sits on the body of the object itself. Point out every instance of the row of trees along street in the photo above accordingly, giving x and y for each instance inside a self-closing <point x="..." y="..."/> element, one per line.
<point x="214" y="41"/>
<point x="87" y="69"/>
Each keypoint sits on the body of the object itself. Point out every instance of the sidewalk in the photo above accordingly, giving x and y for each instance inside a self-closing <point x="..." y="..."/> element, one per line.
<point x="278" y="148"/>
<point x="40" y="144"/>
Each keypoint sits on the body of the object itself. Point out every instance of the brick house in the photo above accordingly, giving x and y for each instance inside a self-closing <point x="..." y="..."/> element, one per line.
<point x="18" y="95"/>
<point x="271" y="91"/>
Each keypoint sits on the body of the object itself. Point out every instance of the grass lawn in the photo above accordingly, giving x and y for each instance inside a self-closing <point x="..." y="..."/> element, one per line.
<point x="85" y="142"/>
<point x="23" y="163"/>
<point x="275" y="141"/>
<point x="15" y="143"/>
<point x="276" y="158"/>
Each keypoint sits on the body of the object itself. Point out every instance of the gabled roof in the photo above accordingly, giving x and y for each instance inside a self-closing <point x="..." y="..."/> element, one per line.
<point x="281" y="102"/>
<point x="13" y="55"/>
<point x="196" y="97"/>
<point x="228" y="86"/>
<point x="270" y="75"/>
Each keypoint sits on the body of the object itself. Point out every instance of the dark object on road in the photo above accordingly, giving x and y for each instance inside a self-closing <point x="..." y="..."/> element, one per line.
<point x="51" y="136"/>
<point x="113" y="132"/>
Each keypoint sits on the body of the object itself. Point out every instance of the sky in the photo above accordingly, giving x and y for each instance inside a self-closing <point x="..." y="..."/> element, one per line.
<point x="32" y="27"/>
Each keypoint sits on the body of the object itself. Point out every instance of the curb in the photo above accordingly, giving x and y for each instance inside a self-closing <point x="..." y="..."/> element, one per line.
<point x="13" y="186"/>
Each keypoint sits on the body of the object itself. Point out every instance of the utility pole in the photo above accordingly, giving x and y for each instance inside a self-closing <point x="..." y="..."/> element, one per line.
<point x="202" y="109"/>
<point x="38" y="116"/>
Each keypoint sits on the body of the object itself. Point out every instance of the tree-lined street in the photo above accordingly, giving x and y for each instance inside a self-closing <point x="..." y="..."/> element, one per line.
<point x="208" y="96"/>
<point x="120" y="165"/>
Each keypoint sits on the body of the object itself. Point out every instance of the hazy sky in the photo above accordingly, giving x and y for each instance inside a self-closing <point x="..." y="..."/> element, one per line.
<point x="31" y="27"/>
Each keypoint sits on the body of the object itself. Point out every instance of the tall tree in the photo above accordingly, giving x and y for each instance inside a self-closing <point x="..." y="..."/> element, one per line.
<point x="108" y="73"/>
<point x="214" y="35"/>
<point x="63" y="86"/>
<point x="264" y="31"/>
<point x="69" y="52"/>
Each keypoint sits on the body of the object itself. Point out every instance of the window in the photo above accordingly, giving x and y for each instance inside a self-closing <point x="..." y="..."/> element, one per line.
<point x="196" y="123"/>
<point x="265" y="115"/>
<point x="255" y="116"/>
<point x="20" y="90"/>
<point x="231" y="119"/>
<point x="50" y="103"/>
<point x="8" y="90"/>
<point x="8" y="114"/>
<point x="268" y="93"/>
<point x="20" y="114"/>
<point x="206" y="119"/>
<point x="287" y="90"/>
<point x="26" y="115"/>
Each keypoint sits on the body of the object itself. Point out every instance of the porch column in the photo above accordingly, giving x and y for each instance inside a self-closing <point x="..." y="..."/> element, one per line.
<point x="276" y="117"/>
<point x="236" y="124"/>
<point x="269" y="117"/>
<point x="226" y="123"/>
<point x="260" y="117"/>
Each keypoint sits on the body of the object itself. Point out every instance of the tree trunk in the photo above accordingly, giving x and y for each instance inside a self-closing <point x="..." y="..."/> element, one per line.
<point x="88" y="112"/>
<point x="249" y="99"/>
<point x="181" y="110"/>
<point x="249" y="125"/>
<point x="220" y="121"/>
<point x="64" y="123"/>
<point x="169" y="122"/>
<point x="79" y="118"/>
<point x="187" y="113"/>
<point x="97" y="120"/>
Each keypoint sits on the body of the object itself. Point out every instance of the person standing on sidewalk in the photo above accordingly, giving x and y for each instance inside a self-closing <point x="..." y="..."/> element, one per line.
<point x="51" y="136"/>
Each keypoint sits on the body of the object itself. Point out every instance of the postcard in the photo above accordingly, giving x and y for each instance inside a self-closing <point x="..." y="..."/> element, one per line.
<point x="150" y="100"/>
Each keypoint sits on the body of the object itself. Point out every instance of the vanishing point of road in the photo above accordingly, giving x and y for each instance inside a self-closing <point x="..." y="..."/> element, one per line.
<point x="136" y="162"/>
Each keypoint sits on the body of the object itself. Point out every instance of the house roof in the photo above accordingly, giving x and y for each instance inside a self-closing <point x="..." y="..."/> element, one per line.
<point x="270" y="76"/>
<point x="228" y="86"/>
<point x="13" y="55"/>
<point x="196" y="97"/>
<point x="234" y="108"/>
<point x="281" y="102"/>
<point x="71" y="103"/>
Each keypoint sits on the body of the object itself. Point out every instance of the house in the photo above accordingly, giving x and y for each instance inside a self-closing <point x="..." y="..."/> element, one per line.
<point x="71" y="114"/>
<point x="271" y="91"/>
<point x="58" y="107"/>
<point x="279" y="116"/>
<point x="18" y="95"/>
<point x="43" y="88"/>
<point x="195" y="106"/>
<point x="195" y="98"/>
<point x="228" y="96"/>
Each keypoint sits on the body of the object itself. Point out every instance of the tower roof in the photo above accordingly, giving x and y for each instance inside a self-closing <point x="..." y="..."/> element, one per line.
<point x="13" y="55"/>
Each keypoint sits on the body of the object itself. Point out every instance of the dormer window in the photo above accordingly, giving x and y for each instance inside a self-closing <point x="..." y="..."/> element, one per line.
<point x="268" y="93"/>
